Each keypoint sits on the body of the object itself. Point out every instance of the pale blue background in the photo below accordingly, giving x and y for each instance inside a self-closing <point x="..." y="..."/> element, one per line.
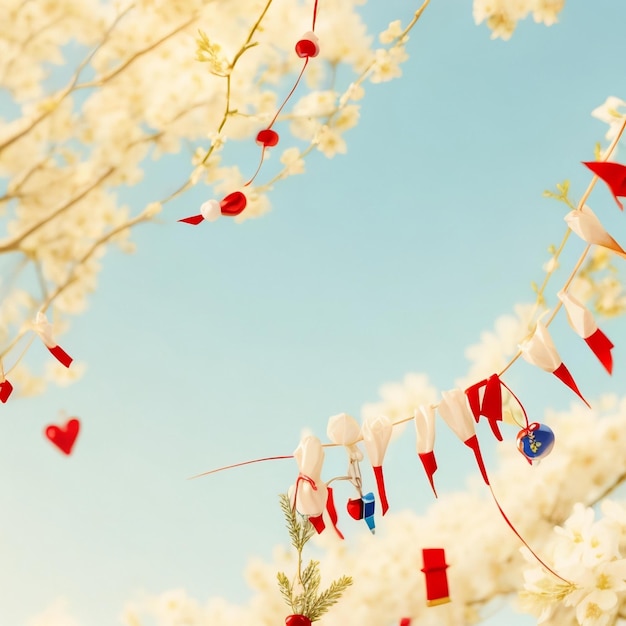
<point x="219" y="344"/>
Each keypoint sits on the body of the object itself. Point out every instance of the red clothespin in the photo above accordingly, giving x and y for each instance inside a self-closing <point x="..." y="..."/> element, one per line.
<point x="584" y="325"/>
<point x="539" y="350"/>
<point x="44" y="329"/>
<point x="434" y="569"/>
<point x="613" y="174"/>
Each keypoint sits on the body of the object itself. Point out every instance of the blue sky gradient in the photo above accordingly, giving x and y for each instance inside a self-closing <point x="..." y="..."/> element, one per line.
<point x="218" y="344"/>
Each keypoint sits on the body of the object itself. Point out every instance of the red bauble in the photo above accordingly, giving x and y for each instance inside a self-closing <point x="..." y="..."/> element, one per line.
<point x="267" y="138"/>
<point x="306" y="48"/>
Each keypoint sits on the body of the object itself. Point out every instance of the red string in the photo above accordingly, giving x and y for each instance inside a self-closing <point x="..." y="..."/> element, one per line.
<point x="314" y="15"/>
<point x="521" y="406"/>
<point x="258" y="169"/>
<point x="510" y="524"/>
<point x="282" y="106"/>
<point x="227" y="467"/>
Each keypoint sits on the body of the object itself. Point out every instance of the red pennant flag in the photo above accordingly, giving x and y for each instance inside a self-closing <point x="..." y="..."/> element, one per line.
<point x="582" y="321"/>
<point x="601" y="346"/>
<point x="380" y="483"/>
<point x="563" y="374"/>
<point x="613" y="174"/>
<point x="473" y="398"/>
<point x="491" y="405"/>
<point x="430" y="467"/>
<point x="194" y="220"/>
<point x="472" y="443"/>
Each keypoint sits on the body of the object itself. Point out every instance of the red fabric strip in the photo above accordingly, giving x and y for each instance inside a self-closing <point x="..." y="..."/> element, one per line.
<point x="601" y="346"/>
<point x="61" y="356"/>
<point x="332" y="511"/>
<point x="473" y="398"/>
<point x="492" y="405"/>
<point x="380" y="483"/>
<point x="318" y="523"/>
<point x="563" y="374"/>
<point x="472" y="443"/>
<point x="430" y="467"/>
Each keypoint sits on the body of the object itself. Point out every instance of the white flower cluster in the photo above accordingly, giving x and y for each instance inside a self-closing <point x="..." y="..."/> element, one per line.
<point x="147" y="83"/>
<point x="502" y="15"/>
<point x="590" y="554"/>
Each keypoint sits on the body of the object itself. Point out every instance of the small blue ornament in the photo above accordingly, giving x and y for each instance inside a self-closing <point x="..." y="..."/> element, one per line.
<point x="368" y="511"/>
<point x="536" y="441"/>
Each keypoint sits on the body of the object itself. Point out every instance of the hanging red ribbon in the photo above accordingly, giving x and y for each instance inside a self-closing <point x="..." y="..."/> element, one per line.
<point x="491" y="405"/>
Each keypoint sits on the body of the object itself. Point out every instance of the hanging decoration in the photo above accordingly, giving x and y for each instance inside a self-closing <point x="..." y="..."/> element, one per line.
<point x="43" y="328"/>
<point x="64" y="436"/>
<point x="613" y="174"/>
<point x="312" y="498"/>
<point x="434" y="569"/>
<point x="424" y="419"/>
<point x="540" y="351"/>
<point x="307" y="47"/>
<point x="583" y="323"/>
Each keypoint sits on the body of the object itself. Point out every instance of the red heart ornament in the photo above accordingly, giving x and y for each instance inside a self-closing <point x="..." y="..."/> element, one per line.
<point x="297" y="620"/>
<point x="233" y="204"/>
<point x="267" y="138"/>
<point x="64" y="437"/>
<point x="355" y="508"/>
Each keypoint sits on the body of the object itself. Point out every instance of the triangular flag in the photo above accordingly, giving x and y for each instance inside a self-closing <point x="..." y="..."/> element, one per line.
<point x="613" y="174"/>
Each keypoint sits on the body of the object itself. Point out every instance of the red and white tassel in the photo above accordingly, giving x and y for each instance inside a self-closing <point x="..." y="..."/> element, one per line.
<point x="455" y="411"/>
<point x="584" y="325"/>
<point x="376" y="433"/>
<point x="44" y="329"/>
<point x="424" y="418"/>
<point x="540" y="351"/>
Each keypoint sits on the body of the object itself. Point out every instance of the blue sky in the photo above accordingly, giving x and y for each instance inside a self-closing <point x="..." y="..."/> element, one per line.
<point x="218" y="344"/>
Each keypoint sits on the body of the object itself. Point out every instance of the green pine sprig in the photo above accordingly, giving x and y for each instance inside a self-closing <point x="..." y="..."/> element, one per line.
<point x="308" y="601"/>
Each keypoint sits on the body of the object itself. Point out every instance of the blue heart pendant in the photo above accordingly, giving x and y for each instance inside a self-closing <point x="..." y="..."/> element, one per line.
<point x="536" y="441"/>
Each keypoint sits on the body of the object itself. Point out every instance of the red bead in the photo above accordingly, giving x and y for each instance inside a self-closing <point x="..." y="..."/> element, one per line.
<point x="297" y="620"/>
<point x="267" y="138"/>
<point x="306" y="48"/>
<point x="233" y="204"/>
